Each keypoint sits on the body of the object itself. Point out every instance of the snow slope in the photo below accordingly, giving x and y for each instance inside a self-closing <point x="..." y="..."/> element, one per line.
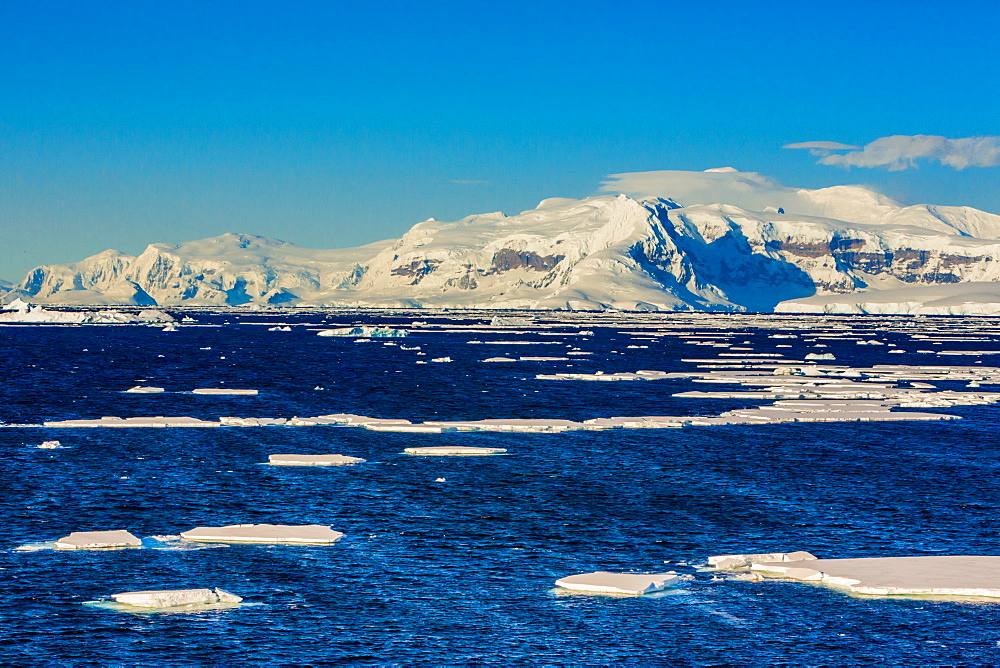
<point x="715" y="240"/>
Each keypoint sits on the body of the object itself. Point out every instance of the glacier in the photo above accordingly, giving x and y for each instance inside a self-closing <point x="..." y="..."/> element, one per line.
<point x="719" y="240"/>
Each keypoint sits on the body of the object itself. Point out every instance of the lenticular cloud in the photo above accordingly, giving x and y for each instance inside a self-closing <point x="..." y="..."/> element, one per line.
<point x="900" y="152"/>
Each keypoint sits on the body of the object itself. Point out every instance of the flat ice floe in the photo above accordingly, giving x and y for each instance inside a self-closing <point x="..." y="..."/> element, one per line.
<point x="604" y="582"/>
<point x="305" y="534"/>
<point x="948" y="576"/>
<point x="142" y="389"/>
<point x="97" y="540"/>
<point x="453" y="450"/>
<point x="313" y="460"/>
<point x="176" y="598"/>
<point x="727" y="561"/>
<point x="222" y="390"/>
<point x="158" y="421"/>
<point x="251" y="422"/>
<point x="498" y="424"/>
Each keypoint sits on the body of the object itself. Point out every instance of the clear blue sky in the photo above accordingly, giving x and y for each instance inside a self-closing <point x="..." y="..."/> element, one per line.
<point x="331" y="124"/>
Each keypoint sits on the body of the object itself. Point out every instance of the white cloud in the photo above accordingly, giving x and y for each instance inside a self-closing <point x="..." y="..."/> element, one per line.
<point x="820" y="148"/>
<point x="748" y="190"/>
<point x="900" y="152"/>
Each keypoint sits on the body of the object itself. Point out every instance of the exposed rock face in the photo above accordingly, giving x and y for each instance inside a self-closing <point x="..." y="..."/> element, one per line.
<point x="600" y="252"/>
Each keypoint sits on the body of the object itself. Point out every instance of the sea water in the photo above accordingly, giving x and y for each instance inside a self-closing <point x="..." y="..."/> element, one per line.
<point x="462" y="570"/>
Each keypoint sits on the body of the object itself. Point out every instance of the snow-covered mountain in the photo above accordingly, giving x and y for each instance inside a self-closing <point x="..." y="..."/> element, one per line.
<point x="667" y="245"/>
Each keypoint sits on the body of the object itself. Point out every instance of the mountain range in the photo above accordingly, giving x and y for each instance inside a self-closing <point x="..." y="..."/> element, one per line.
<point x="719" y="240"/>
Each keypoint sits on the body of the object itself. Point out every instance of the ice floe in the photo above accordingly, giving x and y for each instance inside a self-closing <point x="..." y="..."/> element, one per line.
<point x="453" y="450"/>
<point x="727" y="561"/>
<point x="143" y="389"/>
<point x="97" y="540"/>
<point x="252" y="422"/>
<point x="223" y="390"/>
<point x="109" y="421"/>
<point x="952" y="576"/>
<point x="313" y="460"/>
<point x="604" y="582"/>
<point x="175" y="598"/>
<point x="305" y="534"/>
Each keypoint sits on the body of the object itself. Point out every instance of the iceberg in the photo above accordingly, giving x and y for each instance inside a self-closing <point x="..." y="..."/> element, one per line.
<point x="172" y="598"/>
<point x="141" y="389"/>
<point x="49" y="445"/>
<point x="313" y="460"/>
<point x="365" y="331"/>
<point x="305" y="534"/>
<point x="603" y="582"/>
<point x="23" y="312"/>
<point x="97" y="540"/>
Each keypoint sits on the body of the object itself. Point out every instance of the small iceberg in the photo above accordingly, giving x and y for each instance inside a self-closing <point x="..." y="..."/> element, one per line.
<point x="820" y="356"/>
<point x="142" y="389"/>
<point x="97" y="540"/>
<point x="313" y="460"/>
<point x="365" y="331"/>
<point x="603" y="582"/>
<point x="49" y="445"/>
<point x="170" y="600"/>
<point x="453" y="450"/>
<point x="305" y="534"/>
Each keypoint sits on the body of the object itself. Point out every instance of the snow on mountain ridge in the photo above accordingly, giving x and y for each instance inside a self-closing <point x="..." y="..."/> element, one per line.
<point x="645" y="251"/>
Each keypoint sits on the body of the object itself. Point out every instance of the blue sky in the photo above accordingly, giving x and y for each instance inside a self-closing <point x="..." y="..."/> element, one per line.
<point x="331" y="124"/>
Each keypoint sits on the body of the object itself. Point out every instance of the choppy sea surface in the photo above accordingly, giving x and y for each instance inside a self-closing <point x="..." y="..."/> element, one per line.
<point x="463" y="571"/>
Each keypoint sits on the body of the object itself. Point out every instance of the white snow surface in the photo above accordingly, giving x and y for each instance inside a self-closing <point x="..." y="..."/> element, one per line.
<point x="715" y="240"/>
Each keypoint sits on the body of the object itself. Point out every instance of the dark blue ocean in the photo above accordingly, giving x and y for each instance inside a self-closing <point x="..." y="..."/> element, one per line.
<point x="462" y="571"/>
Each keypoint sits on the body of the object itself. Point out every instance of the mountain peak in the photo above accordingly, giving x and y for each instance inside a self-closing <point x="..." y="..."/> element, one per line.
<point x="670" y="240"/>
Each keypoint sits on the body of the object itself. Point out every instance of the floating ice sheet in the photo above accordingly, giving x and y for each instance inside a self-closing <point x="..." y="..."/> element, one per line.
<point x="313" y="460"/>
<point x="454" y="450"/>
<point x="604" y="582"/>
<point x="306" y="534"/>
